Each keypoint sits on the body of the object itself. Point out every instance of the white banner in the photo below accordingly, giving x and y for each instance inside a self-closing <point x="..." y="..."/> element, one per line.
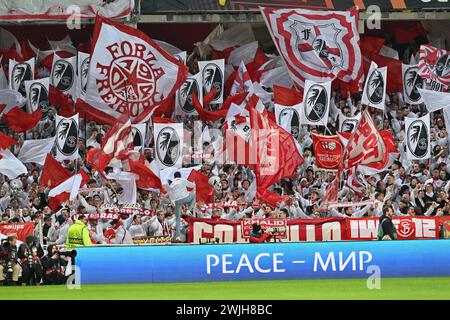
<point x="411" y="82"/>
<point x="19" y="72"/>
<point x="374" y="93"/>
<point x="288" y="117"/>
<point x="213" y="77"/>
<point x="183" y="97"/>
<point x="316" y="103"/>
<point x="36" y="150"/>
<point x="64" y="74"/>
<point x="418" y="146"/>
<point x="168" y="144"/>
<point x="37" y="95"/>
<point x="67" y="135"/>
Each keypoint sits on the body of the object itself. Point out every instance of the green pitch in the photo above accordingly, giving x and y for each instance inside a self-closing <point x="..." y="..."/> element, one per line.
<point x="353" y="289"/>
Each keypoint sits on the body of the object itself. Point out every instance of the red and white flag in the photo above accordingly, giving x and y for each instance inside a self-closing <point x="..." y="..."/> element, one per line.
<point x="434" y="64"/>
<point x="328" y="151"/>
<point x="317" y="45"/>
<point x="356" y="183"/>
<point x="128" y="73"/>
<point x="242" y="81"/>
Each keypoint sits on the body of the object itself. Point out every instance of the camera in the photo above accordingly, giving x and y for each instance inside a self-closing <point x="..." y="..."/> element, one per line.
<point x="71" y="254"/>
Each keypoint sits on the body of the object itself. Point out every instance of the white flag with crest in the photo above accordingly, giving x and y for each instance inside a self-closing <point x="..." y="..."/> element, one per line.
<point x="316" y="103"/>
<point x="183" y="97"/>
<point x="82" y="72"/>
<point x="138" y="131"/>
<point x="213" y="77"/>
<point x="411" y="82"/>
<point x="374" y="93"/>
<point x="169" y="142"/>
<point x="418" y="146"/>
<point x="37" y="96"/>
<point x="19" y="72"/>
<point x="288" y="117"/>
<point x="64" y="74"/>
<point x="67" y="135"/>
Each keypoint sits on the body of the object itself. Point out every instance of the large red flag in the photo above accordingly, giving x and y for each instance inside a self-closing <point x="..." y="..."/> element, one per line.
<point x="277" y="153"/>
<point x="20" y="121"/>
<point x="317" y="45"/>
<point x="328" y="151"/>
<point x="147" y="179"/>
<point x="204" y="191"/>
<point x="62" y="102"/>
<point x="129" y="73"/>
<point x="207" y="115"/>
<point x="6" y="141"/>
<point x="286" y="96"/>
<point x="53" y="173"/>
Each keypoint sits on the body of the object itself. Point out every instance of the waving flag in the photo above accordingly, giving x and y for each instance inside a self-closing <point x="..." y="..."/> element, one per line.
<point x="411" y="82"/>
<point x="19" y="72"/>
<point x="374" y="93"/>
<point x="82" y="71"/>
<point x="37" y="95"/>
<point x="128" y="73"/>
<point x="183" y="101"/>
<point x="63" y="75"/>
<point x="242" y="81"/>
<point x="20" y="121"/>
<point x="356" y="183"/>
<point x="169" y="141"/>
<point x="418" y="144"/>
<point x="53" y="173"/>
<point x="67" y="138"/>
<point x="288" y="117"/>
<point x="316" y="103"/>
<point x="317" y="45"/>
<point x="348" y="124"/>
<point x="435" y="100"/>
<point x="213" y="78"/>
<point x="434" y="64"/>
<point x="10" y="166"/>
<point x="36" y="150"/>
<point x="328" y="151"/>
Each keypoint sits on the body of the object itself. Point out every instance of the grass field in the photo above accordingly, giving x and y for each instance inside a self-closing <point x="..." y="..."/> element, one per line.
<point x="353" y="289"/>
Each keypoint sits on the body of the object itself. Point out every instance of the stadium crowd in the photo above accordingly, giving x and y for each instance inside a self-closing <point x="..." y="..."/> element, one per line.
<point x="408" y="187"/>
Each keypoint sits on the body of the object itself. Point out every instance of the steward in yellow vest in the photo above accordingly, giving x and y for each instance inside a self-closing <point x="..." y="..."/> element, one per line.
<point x="78" y="234"/>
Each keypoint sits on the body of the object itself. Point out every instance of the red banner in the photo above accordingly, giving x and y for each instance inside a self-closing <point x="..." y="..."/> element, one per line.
<point x="278" y="226"/>
<point x="329" y="229"/>
<point x="22" y="230"/>
<point x="328" y="151"/>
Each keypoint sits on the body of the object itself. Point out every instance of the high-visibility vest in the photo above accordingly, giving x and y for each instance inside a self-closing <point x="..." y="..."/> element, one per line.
<point x="75" y="235"/>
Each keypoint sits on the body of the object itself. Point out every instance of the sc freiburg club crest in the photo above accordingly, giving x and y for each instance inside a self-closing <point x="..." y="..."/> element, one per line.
<point x="212" y="78"/>
<point x="375" y="87"/>
<point x="67" y="139"/>
<point x="130" y="80"/>
<point x="418" y="138"/>
<point x="189" y="87"/>
<point x="39" y="98"/>
<point x="20" y="73"/>
<point x="138" y="141"/>
<point x="412" y="81"/>
<point x="316" y="103"/>
<point x="63" y="75"/>
<point x="84" y="74"/>
<point x="348" y="125"/>
<point x="294" y="120"/>
<point x="443" y="66"/>
<point x="167" y="146"/>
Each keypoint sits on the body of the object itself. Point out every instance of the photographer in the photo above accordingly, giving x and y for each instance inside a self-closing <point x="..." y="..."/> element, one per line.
<point x="259" y="235"/>
<point x="53" y="266"/>
<point x="9" y="268"/>
<point x="29" y="256"/>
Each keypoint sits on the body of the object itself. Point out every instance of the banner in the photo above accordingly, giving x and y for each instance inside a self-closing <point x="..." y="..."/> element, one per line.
<point x="63" y="75"/>
<point x="128" y="73"/>
<point x="22" y="230"/>
<point x="328" y="229"/>
<point x="183" y="102"/>
<point x="67" y="135"/>
<point x="276" y="226"/>
<point x="411" y="82"/>
<point x="374" y="93"/>
<point x="417" y="227"/>
<point x="434" y="64"/>
<point x="169" y="142"/>
<point x="317" y="45"/>
<point x="37" y="95"/>
<point x="19" y="72"/>
<point x="139" y="131"/>
<point x="418" y="144"/>
<point x="288" y="117"/>
<point x="348" y="124"/>
<point x="328" y="151"/>
<point x="316" y="103"/>
<point x="82" y="72"/>
<point x="213" y="73"/>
